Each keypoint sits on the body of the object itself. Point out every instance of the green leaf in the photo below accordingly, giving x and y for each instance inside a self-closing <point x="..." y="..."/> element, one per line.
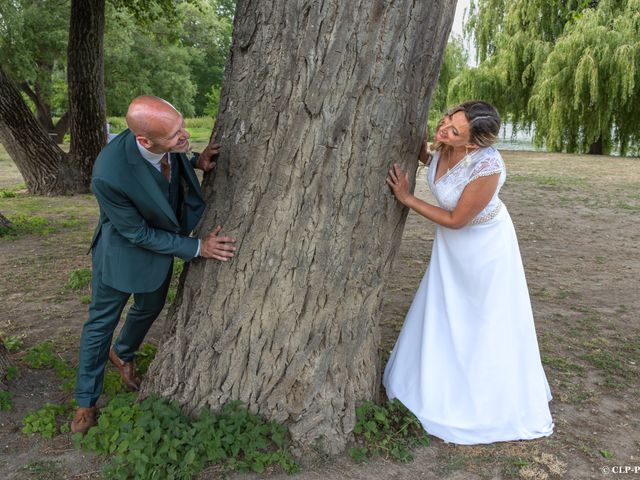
<point x="606" y="454"/>
<point x="380" y="416"/>
<point x="190" y="456"/>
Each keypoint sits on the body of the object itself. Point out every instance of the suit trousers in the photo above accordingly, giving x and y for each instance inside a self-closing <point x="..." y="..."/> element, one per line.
<point x="105" y="310"/>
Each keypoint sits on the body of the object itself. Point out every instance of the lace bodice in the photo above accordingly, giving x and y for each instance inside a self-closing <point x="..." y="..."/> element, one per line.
<point x="449" y="187"/>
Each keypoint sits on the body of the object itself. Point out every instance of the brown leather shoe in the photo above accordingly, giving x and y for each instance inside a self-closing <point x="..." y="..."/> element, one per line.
<point x="127" y="372"/>
<point x="84" y="419"/>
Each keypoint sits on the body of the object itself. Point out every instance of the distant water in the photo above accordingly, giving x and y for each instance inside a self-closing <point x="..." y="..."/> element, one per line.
<point x="521" y="140"/>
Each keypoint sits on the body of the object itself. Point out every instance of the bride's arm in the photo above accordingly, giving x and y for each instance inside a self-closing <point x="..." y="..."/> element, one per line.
<point x="476" y="195"/>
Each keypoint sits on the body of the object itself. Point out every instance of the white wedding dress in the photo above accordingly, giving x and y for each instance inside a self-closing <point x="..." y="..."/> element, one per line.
<point x="466" y="362"/>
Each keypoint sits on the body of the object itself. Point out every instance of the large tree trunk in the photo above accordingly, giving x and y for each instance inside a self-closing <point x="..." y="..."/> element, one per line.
<point x="45" y="168"/>
<point x="43" y="114"/>
<point x="42" y="164"/>
<point x="87" y="108"/>
<point x="43" y="110"/>
<point x="597" y="147"/>
<point x="319" y="99"/>
<point x="61" y="128"/>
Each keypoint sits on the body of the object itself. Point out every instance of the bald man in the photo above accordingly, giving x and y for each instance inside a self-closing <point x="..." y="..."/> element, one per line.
<point x="150" y="201"/>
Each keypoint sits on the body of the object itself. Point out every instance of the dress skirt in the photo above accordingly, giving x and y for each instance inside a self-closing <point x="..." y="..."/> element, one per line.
<point x="466" y="362"/>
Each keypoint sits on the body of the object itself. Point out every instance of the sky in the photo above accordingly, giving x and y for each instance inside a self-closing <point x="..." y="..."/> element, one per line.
<point x="457" y="21"/>
<point x="456" y="29"/>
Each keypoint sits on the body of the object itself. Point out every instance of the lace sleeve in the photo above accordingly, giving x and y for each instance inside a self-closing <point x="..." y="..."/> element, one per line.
<point x="489" y="165"/>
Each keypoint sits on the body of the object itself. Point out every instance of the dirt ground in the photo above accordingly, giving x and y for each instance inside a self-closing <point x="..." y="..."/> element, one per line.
<point x="578" y="223"/>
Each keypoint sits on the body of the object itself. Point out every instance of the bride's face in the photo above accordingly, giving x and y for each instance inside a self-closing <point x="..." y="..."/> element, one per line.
<point x="454" y="130"/>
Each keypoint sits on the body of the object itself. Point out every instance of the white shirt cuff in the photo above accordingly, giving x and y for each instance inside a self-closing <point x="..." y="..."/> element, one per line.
<point x="198" y="250"/>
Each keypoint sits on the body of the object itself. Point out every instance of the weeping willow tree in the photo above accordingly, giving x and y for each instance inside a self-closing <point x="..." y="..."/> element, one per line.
<point x="588" y="94"/>
<point x="454" y="61"/>
<point x="568" y="68"/>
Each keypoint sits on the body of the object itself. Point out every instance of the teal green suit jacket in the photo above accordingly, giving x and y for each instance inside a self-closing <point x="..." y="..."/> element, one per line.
<point x="138" y="230"/>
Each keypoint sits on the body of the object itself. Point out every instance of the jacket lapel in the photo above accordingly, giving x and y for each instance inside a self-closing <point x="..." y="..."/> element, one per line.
<point x="143" y="175"/>
<point x="190" y="174"/>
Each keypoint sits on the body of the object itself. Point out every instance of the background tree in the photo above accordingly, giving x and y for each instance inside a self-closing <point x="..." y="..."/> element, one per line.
<point x="206" y="32"/>
<point x="46" y="168"/>
<point x="87" y="107"/>
<point x="180" y="58"/>
<point x="588" y="94"/>
<point x="146" y="60"/>
<point x="41" y="162"/>
<point x="33" y="51"/>
<point x="454" y="62"/>
<point x="512" y="41"/>
<point x="318" y="99"/>
<point x="542" y="62"/>
<point x="189" y="42"/>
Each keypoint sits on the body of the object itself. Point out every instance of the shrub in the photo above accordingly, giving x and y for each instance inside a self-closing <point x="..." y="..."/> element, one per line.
<point x="152" y="439"/>
<point x="13" y="343"/>
<point x="6" y="400"/>
<point x="47" y="421"/>
<point x="40" y="355"/>
<point x="79" y="278"/>
<point x="389" y="430"/>
<point x="26" y="225"/>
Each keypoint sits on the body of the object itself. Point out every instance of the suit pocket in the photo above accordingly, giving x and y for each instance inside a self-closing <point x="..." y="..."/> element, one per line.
<point x="132" y="269"/>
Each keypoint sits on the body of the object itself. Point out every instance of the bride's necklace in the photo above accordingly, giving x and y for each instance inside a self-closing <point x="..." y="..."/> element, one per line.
<point x="449" y="155"/>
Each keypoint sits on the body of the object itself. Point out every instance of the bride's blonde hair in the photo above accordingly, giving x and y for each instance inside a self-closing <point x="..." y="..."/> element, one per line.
<point x="484" y="123"/>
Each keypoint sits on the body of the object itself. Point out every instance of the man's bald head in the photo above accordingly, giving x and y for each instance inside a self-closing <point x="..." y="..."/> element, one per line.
<point x="147" y="116"/>
<point x="157" y="124"/>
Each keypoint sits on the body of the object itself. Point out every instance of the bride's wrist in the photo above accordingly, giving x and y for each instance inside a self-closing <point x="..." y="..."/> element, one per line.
<point x="406" y="199"/>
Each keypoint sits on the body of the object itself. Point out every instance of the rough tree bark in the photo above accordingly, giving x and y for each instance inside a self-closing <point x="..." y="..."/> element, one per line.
<point x="41" y="162"/>
<point x="46" y="169"/>
<point x="319" y="98"/>
<point x="42" y="108"/>
<point x="61" y="128"/>
<point x="85" y="75"/>
<point x="43" y="113"/>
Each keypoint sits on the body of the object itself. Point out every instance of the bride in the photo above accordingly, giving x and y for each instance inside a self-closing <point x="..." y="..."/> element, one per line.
<point x="466" y="362"/>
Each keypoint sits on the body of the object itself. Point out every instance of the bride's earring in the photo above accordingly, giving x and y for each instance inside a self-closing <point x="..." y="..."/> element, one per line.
<point x="467" y="159"/>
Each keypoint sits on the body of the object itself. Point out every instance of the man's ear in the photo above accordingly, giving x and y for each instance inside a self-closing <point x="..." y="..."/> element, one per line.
<point x="144" y="141"/>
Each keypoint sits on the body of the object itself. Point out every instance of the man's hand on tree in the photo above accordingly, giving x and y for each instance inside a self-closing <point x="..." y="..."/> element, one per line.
<point x="208" y="157"/>
<point x="213" y="246"/>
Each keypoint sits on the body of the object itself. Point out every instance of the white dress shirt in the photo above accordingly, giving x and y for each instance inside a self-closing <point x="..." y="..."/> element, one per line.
<point x="152" y="158"/>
